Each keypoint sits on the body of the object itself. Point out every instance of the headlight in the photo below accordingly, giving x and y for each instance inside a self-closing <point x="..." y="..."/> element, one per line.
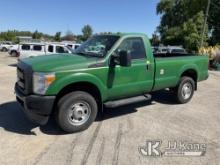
<point x="41" y="82"/>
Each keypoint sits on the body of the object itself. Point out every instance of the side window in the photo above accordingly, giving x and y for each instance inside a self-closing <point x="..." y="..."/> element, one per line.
<point x="134" y="46"/>
<point x="50" y="48"/>
<point x="25" y="47"/>
<point x="76" y="46"/>
<point x="37" y="47"/>
<point x="60" y="49"/>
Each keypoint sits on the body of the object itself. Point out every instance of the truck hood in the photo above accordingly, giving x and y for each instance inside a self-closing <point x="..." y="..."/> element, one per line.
<point x="59" y="62"/>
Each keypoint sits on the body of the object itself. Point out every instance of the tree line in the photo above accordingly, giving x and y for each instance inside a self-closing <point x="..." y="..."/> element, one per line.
<point x="182" y="23"/>
<point x="12" y="35"/>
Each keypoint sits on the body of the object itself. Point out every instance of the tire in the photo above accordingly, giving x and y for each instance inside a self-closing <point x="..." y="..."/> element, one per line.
<point x="14" y="54"/>
<point x="4" y="49"/>
<point x="185" y="90"/>
<point x="76" y="111"/>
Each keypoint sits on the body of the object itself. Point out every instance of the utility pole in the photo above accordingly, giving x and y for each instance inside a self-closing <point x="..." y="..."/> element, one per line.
<point x="205" y="21"/>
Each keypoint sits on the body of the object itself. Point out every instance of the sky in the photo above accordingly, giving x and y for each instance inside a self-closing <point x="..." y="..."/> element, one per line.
<point x="50" y="16"/>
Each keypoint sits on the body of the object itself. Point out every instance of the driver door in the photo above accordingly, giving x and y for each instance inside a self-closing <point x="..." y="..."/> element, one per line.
<point x="134" y="80"/>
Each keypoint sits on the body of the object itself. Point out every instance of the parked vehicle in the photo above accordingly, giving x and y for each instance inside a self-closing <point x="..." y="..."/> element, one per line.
<point x="162" y="50"/>
<point x="13" y="50"/>
<point x="37" y="49"/>
<point x="5" y="46"/>
<point x="71" y="44"/>
<point x="75" y="87"/>
<point x="176" y="49"/>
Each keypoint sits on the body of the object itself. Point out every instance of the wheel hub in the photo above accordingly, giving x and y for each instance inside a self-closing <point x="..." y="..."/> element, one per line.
<point x="186" y="90"/>
<point x="79" y="113"/>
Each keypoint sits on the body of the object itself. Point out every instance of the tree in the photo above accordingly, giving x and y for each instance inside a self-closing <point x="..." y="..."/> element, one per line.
<point x="87" y="32"/>
<point x="214" y="22"/>
<point x="8" y="36"/>
<point x="155" y="40"/>
<point x="69" y="36"/>
<point x="79" y="38"/>
<point x="11" y="35"/>
<point x="182" y="22"/>
<point x="57" y="36"/>
<point x="37" y="35"/>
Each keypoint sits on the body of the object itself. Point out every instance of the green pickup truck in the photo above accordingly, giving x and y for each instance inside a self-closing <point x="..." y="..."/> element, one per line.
<point x="107" y="70"/>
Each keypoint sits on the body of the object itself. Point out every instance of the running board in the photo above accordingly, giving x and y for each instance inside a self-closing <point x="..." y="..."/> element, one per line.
<point x="131" y="100"/>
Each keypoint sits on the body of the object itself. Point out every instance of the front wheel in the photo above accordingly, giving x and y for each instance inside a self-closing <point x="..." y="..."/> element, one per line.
<point x="14" y="54"/>
<point x="185" y="90"/>
<point x="76" y="111"/>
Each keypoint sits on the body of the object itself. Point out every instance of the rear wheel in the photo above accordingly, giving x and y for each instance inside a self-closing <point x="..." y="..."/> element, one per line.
<point x="76" y="111"/>
<point x="4" y="49"/>
<point x="185" y="90"/>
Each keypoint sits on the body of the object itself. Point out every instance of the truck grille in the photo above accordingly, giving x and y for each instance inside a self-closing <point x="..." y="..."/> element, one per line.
<point x="24" y="78"/>
<point x="20" y="78"/>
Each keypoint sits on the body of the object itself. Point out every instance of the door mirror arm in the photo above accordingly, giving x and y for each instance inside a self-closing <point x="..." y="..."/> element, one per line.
<point x="114" y="60"/>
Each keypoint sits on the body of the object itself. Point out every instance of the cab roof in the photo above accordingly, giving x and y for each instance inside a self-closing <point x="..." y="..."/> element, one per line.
<point x="125" y="34"/>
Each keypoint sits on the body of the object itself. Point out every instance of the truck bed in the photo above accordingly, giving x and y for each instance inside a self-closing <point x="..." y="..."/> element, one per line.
<point x="160" y="55"/>
<point x="168" y="69"/>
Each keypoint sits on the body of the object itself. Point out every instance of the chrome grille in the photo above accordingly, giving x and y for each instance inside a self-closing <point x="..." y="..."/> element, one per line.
<point x="20" y="78"/>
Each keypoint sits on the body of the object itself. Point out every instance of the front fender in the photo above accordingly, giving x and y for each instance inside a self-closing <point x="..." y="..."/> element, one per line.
<point x="69" y="79"/>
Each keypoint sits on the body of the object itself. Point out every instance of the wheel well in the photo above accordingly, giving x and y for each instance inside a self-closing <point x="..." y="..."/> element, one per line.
<point x="191" y="73"/>
<point x="82" y="86"/>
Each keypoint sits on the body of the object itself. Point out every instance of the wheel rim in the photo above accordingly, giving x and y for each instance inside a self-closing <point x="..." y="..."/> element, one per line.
<point x="187" y="90"/>
<point x="79" y="113"/>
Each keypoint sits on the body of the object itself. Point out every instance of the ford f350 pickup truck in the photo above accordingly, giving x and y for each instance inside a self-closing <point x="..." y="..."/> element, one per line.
<point x="106" y="70"/>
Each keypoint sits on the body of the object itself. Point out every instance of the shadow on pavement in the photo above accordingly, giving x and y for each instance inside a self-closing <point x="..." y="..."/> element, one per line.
<point x="13" y="119"/>
<point x="123" y="110"/>
<point x="13" y="65"/>
<point x="164" y="97"/>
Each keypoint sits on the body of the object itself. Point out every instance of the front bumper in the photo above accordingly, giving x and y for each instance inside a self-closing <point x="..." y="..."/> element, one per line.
<point x="37" y="108"/>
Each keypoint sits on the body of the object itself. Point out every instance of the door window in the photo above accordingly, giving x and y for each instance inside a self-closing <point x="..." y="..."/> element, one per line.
<point x="133" y="46"/>
<point x="25" y="47"/>
<point x="50" y="48"/>
<point x="37" y="47"/>
<point x="60" y="49"/>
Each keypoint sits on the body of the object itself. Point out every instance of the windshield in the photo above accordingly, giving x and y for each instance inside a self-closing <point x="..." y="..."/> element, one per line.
<point x="97" y="46"/>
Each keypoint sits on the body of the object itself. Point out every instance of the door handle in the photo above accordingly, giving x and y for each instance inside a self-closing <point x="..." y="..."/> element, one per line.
<point x="148" y="66"/>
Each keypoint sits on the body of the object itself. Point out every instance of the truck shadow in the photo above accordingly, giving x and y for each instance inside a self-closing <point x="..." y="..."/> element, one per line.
<point x="164" y="97"/>
<point x="13" y="119"/>
<point x="13" y="65"/>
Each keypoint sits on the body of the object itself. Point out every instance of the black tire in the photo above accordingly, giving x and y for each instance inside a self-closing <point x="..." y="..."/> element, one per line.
<point x="185" y="90"/>
<point x="4" y="49"/>
<point x="67" y="111"/>
<point x="14" y="54"/>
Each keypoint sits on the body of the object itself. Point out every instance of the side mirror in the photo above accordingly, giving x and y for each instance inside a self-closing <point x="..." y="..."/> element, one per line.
<point x="124" y="58"/>
<point x="121" y="58"/>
